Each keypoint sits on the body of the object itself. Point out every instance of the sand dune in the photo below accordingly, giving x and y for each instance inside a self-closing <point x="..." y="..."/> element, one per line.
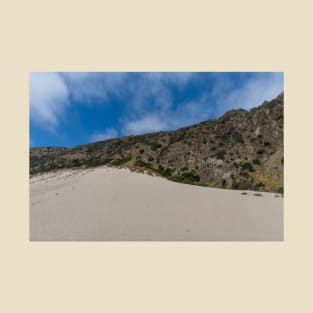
<point x="117" y="204"/>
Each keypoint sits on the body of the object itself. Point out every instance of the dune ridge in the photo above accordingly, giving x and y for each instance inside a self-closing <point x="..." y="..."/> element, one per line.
<point x="114" y="204"/>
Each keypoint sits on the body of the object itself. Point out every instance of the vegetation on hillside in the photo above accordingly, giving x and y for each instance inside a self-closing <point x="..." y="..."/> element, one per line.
<point x="240" y="150"/>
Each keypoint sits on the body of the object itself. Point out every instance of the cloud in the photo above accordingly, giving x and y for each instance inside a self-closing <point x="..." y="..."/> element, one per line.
<point x="107" y="134"/>
<point x="192" y="112"/>
<point x="149" y="102"/>
<point x="146" y="124"/>
<point x="179" y="79"/>
<point x="157" y="111"/>
<point x="185" y="114"/>
<point x="94" y="87"/>
<point x="253" y="92"/>
<point x="48" y="98"/>
<point x="51" y="93"/>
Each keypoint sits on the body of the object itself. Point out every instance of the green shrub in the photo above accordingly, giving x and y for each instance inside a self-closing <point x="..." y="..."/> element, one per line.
<point x="97" y="162"/>
<point x="150" y="159"/>
<point x="122" y="160"/>
<point x="165" y="172"/>
<point x="256" y="162"/>
<point x="244" y="174"/>
<point x="141" y="163"/>
<point x="77" y="163"/>
<point x="180" y="179"/>
<point x="141" y="151"/>
<point x="155" y="146"/>
<point x="245" y="185"/>
<point x="259" y="185"/>
<point x="247" y="166"/>
<point x="220" y="155"/>
<point x="186" y="178"/>
<point x="238" y="137"/>
<point x="191" y="176"/>
<point x="280" y="189"/>
<point x="90" y="150"/>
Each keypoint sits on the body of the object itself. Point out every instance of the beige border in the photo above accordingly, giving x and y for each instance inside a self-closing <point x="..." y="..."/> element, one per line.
<point x="159" y="35"/>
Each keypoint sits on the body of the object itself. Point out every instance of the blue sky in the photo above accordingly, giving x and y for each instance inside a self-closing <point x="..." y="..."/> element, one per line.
<point x="72" y="108"/>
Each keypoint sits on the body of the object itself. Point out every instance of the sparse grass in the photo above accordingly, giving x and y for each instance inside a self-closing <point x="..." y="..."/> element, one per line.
<point x="271" y="184"/>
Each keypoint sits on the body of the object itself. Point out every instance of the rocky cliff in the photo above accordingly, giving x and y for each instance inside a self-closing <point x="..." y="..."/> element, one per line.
<point x="240" y="150"/>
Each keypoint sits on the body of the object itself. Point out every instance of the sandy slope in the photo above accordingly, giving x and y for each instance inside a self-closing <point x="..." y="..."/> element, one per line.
<point x="116" y="204"/>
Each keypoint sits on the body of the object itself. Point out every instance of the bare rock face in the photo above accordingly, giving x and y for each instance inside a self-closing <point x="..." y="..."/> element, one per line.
<point x="240" y="150"/>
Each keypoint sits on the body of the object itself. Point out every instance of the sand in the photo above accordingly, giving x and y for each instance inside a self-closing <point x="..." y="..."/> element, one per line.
<point x="113" y="204"/>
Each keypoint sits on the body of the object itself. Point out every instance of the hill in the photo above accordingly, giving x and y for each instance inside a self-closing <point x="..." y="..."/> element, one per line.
<point x="240" y="150"/>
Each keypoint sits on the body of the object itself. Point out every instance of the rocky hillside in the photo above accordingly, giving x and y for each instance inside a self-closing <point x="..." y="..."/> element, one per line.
<point x="240" y="150"/>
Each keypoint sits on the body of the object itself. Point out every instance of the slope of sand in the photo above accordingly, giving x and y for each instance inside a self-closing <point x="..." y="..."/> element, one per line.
<point x="117" y="204"/>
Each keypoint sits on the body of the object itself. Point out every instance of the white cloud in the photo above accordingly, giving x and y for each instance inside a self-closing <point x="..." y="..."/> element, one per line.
<point x="191" y="112"/>
<point x="142" y="92"/>
<point x="48" y="98"/>
<point x="159" y="114"/>
<point x="86" y="87"/>
<point x="107" y="134"/>
<point x="147" y="97"/>
<point x="185" y="114"/>
<point x="260" y="87"/>
<point x="146" y="124"/>
<point x="176" y="78"/>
